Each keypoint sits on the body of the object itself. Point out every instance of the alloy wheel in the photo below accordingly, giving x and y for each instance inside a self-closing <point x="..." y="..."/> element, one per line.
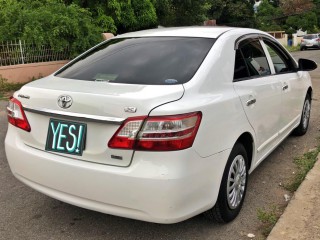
<point x="306" y="114"/>
<point x="236" y="182"/>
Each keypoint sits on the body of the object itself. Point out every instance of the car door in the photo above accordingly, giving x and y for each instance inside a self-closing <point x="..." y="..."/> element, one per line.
<point x="260" y="93"/>
<point x="291" y="85"/>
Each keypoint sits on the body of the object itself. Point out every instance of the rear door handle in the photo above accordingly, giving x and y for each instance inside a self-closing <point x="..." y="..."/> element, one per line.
<point x="251" y="101"/>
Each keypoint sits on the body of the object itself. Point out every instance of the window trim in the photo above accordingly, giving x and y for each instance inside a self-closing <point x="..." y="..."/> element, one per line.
<point x="251" y="38"/>
<point x="263" y="37"/>
<point x="284" y="53"/>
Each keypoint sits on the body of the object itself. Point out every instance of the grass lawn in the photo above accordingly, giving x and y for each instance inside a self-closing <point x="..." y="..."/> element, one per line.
<point x="7" y="88"/>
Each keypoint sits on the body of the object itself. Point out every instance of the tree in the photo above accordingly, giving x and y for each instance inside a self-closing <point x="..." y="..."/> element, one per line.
<point x="165" y="12"/>
<point x="194" y="12"/>
<point x="232" y="12"/>
<point x="51" y="22"/>
<point x="266" y="15"/>
<point x="128" y="15"/>
<point x="181" y="12"/>
<point x="217" y="8"/>
<point x="317" y="10"/>
<point x="275" y="3"/>
<point x="302" y="14"/>
<point x="290" y="7"/>
<point x="136" y="15"/>
<point x="306" y="22"/>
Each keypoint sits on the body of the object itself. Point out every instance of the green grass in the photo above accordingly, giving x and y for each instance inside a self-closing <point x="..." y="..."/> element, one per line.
<point x="6" y="88"/>
<point x="303" y="164"/>
<point x="293" y="48"/>
<point x="268" y="218"/>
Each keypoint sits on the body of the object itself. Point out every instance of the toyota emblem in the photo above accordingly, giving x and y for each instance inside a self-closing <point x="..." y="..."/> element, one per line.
<point x="64" y="101"/>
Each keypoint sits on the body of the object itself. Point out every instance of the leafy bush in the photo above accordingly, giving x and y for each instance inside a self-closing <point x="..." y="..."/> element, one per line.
<point x="51" y="22"/>
<point x="128" y="16"/>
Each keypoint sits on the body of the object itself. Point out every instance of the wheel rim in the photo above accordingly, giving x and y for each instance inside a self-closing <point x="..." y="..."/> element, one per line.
<point x="237" y="178"/>
<point x="306" y="114"/>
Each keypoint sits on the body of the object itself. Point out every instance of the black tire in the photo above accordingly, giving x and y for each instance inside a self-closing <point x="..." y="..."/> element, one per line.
<point x="223" y="212"/>
<point x="305" y="117"/>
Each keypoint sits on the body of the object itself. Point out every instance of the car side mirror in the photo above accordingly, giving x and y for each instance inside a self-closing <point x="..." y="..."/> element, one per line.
<point x="306" y="65"/>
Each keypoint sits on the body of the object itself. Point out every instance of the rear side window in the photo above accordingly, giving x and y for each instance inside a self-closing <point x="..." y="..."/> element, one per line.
<point x="150" y="61"/>
<point x="251" y="60"/>
<point x="240" y="67"/>
<point x="311" y="36"/>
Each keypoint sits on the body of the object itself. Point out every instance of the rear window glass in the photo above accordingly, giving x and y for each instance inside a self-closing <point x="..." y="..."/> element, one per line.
<point x="150" y="61"/>
<point x="312" y="36"/>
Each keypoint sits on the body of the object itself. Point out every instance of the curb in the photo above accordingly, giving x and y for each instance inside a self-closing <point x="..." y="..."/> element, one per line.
<point x="301" y="218"/>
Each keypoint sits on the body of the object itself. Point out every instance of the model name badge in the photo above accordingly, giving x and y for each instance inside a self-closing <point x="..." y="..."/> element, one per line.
<point x="130" y="109"/>
<point x="24" y="96"/>
<point x="116" y="157"/>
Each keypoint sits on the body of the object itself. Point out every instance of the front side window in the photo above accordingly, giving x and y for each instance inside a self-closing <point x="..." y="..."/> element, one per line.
<point x="251" y="55"/>
<point x="149" y="60"/>
<point x="281" y="62"/>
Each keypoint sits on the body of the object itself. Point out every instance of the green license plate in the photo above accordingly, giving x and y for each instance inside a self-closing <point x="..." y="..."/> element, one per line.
<point x="66" y="137"/>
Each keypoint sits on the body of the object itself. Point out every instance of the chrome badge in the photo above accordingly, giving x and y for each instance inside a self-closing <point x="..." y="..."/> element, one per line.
<point x="24" y="96"/>
<point x="130" y="109"/>
<point x="64" y="101"/>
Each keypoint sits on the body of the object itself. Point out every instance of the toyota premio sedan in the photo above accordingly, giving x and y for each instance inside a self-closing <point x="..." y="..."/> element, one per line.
<point x="159" y="125"/>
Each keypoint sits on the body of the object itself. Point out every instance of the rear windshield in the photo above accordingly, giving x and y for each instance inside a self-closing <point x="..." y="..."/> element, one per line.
<point x="312" y="36"/>
<point x="150" y="61"/>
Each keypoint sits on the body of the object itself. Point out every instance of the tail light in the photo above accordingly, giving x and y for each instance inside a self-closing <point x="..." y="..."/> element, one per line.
<point x="162" y="133"/>
<point x="302" y="40"/>
<point x="16" y="115"/>
<point x="125" y="136"/>
<point x="318" y="40"/>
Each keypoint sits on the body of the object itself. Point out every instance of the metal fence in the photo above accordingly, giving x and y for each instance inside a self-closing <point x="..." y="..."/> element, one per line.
<point x="20" y="52"/>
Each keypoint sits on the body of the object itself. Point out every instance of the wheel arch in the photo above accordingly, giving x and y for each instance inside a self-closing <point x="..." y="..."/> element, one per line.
<point x="309" y="92"/>
<point x="247" y="141"/>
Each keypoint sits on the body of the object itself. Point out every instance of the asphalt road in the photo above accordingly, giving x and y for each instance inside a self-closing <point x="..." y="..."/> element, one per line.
<point x="27" y="214"/>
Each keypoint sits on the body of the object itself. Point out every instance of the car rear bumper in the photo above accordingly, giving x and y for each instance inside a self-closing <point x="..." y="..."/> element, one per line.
<point x="315" y="45"/>
<point x="164" y="187"/>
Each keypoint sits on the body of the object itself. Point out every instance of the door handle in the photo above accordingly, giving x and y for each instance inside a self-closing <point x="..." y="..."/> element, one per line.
<point x="251" y="101"/>
<point x="285" y="87"/>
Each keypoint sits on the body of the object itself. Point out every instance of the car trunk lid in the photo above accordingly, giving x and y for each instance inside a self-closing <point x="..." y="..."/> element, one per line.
<point x="99" y="107"/>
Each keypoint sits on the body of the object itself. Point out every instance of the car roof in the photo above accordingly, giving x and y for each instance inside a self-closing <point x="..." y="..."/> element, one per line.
<point x="203" y="32"/>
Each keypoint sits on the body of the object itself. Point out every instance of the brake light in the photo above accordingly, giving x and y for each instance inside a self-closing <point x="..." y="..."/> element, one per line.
<point x="16" y="115"/>
<point x="318" y="40"/>
<point x="162" y="133"/>
<point x="302" y="40"/>
<point x="125" y="136"/>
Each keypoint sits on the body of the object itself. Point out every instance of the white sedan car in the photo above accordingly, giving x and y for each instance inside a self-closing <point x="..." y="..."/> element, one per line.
<point x="159" y="125"/>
